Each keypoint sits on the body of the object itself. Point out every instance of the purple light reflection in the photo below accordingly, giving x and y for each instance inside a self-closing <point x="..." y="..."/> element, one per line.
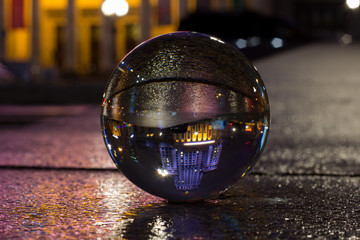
<point x="59" y="204"/>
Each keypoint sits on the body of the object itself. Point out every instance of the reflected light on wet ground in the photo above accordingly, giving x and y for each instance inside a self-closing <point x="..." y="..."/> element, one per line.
<point x="52" y="137"/>
<point x="56" y="204"/>
<point x="89" y="204"/>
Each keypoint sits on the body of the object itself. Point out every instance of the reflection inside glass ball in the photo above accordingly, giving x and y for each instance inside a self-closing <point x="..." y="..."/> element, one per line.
<point x="185" y="115"/>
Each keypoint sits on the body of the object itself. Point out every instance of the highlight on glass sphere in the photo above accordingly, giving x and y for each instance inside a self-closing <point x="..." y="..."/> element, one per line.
<point x="185" y="116"/>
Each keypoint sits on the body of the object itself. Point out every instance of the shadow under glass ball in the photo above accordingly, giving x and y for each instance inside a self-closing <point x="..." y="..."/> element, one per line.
<point x="185" y="115"/>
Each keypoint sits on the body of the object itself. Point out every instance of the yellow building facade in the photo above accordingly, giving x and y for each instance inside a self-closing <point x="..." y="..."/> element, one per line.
<point x="75" y="36"/>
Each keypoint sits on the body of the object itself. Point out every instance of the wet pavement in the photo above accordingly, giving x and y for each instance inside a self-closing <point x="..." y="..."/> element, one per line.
<point x="89" y="204"/>
<point x="58" y="181"/>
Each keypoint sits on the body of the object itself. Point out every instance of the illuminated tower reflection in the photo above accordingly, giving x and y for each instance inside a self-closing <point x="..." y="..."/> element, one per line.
<point x="195" y="152"/>
<point x="186" y="153"/>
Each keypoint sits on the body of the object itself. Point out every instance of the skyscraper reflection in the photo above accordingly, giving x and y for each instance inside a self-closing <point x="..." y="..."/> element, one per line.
<point x="186" y="152"/>
<point x="188" y="161"/>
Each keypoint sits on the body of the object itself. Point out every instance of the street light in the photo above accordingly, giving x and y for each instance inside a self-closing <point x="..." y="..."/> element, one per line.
<point x="112" y="9"/>
<point x="352" y="4"/>
<point x="353" y="22"/>
<point x="115" y="7"/>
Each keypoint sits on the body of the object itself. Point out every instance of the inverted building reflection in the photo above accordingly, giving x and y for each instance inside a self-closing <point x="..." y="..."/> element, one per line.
<point x="194" y="152"/>
<point x="186" y="152"/>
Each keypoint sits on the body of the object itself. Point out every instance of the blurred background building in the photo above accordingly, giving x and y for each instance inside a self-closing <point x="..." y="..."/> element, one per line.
<point x="50" y="39"/>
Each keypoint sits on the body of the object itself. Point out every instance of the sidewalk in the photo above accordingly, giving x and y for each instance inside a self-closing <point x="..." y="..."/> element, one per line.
<point x="58" y="181"/>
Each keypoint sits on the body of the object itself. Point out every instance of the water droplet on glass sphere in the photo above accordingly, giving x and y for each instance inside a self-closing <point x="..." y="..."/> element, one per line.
<point x="185" y="115"/>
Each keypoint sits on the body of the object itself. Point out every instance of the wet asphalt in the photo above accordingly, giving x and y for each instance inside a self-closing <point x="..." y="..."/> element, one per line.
<point x="58" y="181"/>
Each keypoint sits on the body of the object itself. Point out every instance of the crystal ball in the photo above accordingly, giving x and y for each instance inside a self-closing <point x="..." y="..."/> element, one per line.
<point x="185" y="116"/>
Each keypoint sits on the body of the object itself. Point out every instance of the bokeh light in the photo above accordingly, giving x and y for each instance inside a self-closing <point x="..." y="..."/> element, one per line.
<point x="352" y="4"/>
<point x="115" y="7"/>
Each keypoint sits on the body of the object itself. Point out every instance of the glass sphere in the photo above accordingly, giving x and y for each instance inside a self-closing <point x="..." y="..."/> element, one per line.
<point x="185" y="115"/>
